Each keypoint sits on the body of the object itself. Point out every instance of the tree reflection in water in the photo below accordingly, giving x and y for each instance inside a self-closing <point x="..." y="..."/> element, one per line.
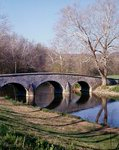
<point x="103" y="108"/>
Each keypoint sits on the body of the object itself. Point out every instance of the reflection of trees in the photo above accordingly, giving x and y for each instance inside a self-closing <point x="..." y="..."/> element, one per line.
<point x="103" y="107"/>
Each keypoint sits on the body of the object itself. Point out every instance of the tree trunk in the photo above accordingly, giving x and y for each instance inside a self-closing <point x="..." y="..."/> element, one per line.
<point x="104" y="80"/>
<point x="103" y="73"/>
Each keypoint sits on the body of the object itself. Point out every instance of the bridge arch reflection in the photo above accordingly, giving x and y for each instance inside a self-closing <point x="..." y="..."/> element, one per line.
<point x="83" y="99"/>
<point x="49" y="94"/>
<point x="80" y="92"/>
<point x="84" y="86"/>
<point x="15" y="91"/>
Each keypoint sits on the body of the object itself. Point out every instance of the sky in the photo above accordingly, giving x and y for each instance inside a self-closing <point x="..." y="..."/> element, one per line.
<point x="35" y="19"/>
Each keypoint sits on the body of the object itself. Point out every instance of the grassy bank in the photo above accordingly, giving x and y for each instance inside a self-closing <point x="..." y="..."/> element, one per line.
<point x="114" y="76"/>
<point x="108" y="91"/>
<point x="32" y="128"/>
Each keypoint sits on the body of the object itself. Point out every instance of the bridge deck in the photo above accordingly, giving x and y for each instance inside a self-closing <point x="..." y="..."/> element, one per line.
<point x="45" y="73"/>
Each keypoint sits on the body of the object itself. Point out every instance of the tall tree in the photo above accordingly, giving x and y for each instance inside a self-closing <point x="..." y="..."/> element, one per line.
<point x="4" y="40"/>
<point x="94" y="30"/>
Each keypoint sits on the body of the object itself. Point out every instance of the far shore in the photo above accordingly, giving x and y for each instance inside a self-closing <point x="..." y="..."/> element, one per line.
<point x="106" y="92"/>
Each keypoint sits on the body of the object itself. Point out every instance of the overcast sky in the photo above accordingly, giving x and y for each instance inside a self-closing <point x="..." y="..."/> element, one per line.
<point x="35" y="19"/>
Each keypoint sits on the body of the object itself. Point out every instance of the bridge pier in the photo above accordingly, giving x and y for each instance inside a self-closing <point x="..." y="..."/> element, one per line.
<point x="90" y="91"/>
<point x="67" y="91"/>
<point x="30" y="95"/>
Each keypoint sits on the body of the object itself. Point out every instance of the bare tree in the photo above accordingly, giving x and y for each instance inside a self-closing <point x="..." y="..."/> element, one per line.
<point x="4" y="40"/>
<point x="59" y="47"/>
<point x="20" y="48"/>
<point x="95" y="29"/>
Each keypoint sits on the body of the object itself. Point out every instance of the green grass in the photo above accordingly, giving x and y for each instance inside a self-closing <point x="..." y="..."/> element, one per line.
<point x="17" y="133"/>
<point x="115" y="88"/>
<point x="11" y="139"/>
<point x="114" y="76"/>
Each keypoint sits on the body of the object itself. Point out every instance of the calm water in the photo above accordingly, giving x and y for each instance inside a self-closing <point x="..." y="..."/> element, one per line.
<point x="112" y="113"/>
<point x="91" y="108"/>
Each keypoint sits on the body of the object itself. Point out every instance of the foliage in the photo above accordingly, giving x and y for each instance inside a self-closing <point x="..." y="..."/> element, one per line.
<point x="10" y="139"/>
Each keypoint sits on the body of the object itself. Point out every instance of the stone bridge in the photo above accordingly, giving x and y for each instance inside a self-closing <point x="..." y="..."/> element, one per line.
<point x="29" y="84"/>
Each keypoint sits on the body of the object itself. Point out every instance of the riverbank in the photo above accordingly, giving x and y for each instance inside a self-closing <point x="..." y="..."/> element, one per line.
<point x="60" y="129"/>
<point x="107" y="91"/>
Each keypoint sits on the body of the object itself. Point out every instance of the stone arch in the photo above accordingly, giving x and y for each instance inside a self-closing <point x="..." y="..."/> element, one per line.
<point x="57" y="87"/>
<point x="14" y="90"/>
<point x="83" y="92"/>
<point x="84" y="86"/>
<point x="49" y="93"/>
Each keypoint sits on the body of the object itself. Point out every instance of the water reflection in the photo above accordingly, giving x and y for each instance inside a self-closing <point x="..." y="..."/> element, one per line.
<point x="103" y="108"/>
<point x="74" y="105"/>
<point x="48" y="95"/>
<point x="106" y="112"/>
<point x="13" y="91"/>
<point x="92" y="108"/>
<point x="56" y="101"/>
<point x="84" y="98"/>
